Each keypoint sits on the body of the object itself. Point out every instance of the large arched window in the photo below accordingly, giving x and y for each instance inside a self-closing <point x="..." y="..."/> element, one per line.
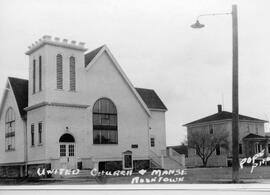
<point x="10" y="129"/>
<point x="104" y="122"/>
<point x="59" y="71"/>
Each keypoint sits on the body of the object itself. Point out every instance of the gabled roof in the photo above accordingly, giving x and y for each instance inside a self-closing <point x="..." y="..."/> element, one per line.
<point x="251" y="135"/>
<point x="20" y="90"/>
<point x="223" y="115"/>
<point x="91" y="55"/>
<point x="104" y="49"/>
<point x="151" y="99"/>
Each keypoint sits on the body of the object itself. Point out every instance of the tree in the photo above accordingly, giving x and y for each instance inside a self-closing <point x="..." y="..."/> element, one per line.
<point x="205" y="143"/>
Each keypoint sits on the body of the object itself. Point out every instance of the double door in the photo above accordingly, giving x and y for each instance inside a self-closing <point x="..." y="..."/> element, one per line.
<point x="68" y="156"/>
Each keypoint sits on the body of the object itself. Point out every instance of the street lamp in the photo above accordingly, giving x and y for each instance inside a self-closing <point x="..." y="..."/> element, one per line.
<point x="235" y="106"/>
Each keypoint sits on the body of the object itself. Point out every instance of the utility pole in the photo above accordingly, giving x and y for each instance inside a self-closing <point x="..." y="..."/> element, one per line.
<point x="235" y="103"/>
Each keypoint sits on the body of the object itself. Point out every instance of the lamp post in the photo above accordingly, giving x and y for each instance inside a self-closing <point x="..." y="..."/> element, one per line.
<point x="235" y="105"/>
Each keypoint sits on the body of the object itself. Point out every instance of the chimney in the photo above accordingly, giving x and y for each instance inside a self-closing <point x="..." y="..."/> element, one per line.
<point x="219" y="108"/>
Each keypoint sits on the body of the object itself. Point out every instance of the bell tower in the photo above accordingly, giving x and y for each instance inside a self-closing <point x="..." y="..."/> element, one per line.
<point x="55" y="70"/>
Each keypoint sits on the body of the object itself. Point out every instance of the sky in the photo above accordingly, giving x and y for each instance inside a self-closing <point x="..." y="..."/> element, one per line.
<point x="190" y="69"/>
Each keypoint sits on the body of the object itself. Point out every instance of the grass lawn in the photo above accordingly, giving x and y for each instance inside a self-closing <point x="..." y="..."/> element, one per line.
<point x="219" y="175"/>
<point x="209" y="175"/>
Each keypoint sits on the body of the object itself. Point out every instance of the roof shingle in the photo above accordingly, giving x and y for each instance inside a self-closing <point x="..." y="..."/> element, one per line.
<point x="151" y="99"/>
<point x="251" y="135"/>
<point x="90" y="55"/>
<point x="20" y="89"/>
<point x="223" y="115"/>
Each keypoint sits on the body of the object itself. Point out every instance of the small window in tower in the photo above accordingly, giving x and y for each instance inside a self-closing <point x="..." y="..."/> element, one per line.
<point x="72" y="74"/>
<point x="40" y="73"/>
<point x="59" y="71"/>
<point x="34" y="76"/>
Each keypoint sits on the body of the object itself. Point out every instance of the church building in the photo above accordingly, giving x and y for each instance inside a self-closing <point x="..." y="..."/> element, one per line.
<point x="78" y="110"/>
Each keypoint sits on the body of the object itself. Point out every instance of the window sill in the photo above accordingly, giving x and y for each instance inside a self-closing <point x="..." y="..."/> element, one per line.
<point x="37" y="92"/>
<point x="74" y="91"/>
<point x="40" y="144"/>
<point x="105" y="144"/>
<point x="59" y="89"/>
<point x="11" y="150"/>
<point x="32" y="146"/>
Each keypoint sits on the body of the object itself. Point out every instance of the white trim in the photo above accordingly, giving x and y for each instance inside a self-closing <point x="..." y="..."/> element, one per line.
<point x="4" y="97"/>
<point x="105" y="48"/>
<point x="158" y="110"/>
<point x="55" y="104"/>
<point x="54" y="43"/>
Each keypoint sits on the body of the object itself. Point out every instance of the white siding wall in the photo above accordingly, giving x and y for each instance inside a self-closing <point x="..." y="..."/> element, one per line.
<point x="18" y="154"/>
<point x="102" y="80"/>
<point x="158" y="131"/>
<point x="36" y="153"/>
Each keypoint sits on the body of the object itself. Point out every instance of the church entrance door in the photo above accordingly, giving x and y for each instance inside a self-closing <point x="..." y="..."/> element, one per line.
<point x="67" y="152"/>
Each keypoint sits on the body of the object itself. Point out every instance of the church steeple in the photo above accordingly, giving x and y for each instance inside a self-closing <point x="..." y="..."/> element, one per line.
<point x="53" y="67"/>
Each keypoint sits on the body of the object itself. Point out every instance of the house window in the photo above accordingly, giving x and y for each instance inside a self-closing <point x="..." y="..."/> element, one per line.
<point x="257" y="130"/>
<point x="40" y="133"/>
<point x="59" y="71"/>
<point x="152" y="141"/>
<point x="269" y="148"/>
<point x="10" y="130"/>
<point x="32" y="135"/>
<point x="196" y="153"/>
<point x="258" y="147"/>
<point x="104" y="122"/>
<point x="240" y="149"/>
<point x="218" y="150"/>
<point x="72" y="74"/>
<point x="40" y="73"/>
<point x="211" y="129"/>
<point x="34" y="76"/>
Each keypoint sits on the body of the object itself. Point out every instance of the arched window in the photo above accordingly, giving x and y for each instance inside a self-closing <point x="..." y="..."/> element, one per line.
<point x="59" y="71"/>
<point x="10" y="129"/>
<point x="72" y="74"/>
<point x="67" y="138"/>
<point x="104" y="122"/>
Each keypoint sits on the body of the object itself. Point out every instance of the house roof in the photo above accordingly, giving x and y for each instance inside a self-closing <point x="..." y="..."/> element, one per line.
<point x="91" y="55"/>
<point x="223" y="115"/>
<point x="151" y="99"/>
<point x="20" y="90"/>
<point x="251" y="135"/>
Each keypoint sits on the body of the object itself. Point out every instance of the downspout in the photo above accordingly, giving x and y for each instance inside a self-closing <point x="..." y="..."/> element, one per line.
<point x="148" y="133"/>
<point x="25" y="146"/>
